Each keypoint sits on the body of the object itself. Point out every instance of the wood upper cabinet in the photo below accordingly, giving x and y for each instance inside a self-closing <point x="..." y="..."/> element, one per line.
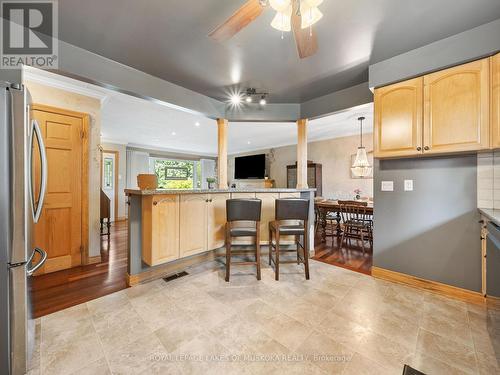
<point x="216" y="211"/>
<point x="398" y="119"/>
<point x="193" y="224"/>
<point x="160" y="229"/>
<point x="456" y="109"/>
<point x="495" y="101"/>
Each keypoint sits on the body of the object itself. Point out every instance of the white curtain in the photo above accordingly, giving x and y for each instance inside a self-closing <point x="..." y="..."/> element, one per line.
<point x="207" y="170"/>
<point x="137" y="163"/>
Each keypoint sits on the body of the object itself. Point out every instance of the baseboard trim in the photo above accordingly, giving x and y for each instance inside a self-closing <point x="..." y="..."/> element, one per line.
<point x="94" y="259"/>
<point x="161" y="271"/>
<point x="433" y="286"/>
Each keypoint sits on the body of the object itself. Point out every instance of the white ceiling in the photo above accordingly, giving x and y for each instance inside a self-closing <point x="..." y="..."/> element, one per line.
<point x="137" y="122"/>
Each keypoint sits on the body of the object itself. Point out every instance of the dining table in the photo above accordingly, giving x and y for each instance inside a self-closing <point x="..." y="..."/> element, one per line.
<point x="329" y="209"/>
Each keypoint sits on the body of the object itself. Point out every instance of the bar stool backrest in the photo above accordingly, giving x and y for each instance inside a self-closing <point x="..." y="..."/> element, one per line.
<point x="244" y="209"/>
<point x="292" y="209"/>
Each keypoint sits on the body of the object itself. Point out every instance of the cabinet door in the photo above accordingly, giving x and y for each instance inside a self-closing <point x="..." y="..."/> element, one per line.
<point x="216" y="220"/>
<point x="456" y="109"/>
<point x="160" y="228"/>
<point x="267" y="214"/>
<point x="193" y="224"/>
<point x="495" y="100"/>
<point x="398" y="119"/>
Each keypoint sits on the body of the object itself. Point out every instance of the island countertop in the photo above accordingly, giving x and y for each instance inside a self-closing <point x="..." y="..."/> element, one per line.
<point x="205" y="191"/>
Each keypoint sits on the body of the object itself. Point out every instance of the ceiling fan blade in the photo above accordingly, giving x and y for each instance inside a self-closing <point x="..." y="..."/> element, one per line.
<point x="305" y="39"/>
<point x="241" y="18"/>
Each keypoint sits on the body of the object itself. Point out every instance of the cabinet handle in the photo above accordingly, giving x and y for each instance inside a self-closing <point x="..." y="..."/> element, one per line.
<point x="419" y="148"/>
<point x="426" y="148"/>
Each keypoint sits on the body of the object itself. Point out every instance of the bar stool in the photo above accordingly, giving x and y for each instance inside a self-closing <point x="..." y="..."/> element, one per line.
<point x="289" y="209"/>
<point x="242" y="210"/>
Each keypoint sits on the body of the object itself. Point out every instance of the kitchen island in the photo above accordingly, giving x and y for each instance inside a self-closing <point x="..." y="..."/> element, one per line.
<point x="170" y="230"/>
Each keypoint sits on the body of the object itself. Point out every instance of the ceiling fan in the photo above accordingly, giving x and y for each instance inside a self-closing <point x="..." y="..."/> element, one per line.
<point x="291" y="15"/>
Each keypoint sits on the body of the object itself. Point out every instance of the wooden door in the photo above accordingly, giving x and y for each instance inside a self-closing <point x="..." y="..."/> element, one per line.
<point x="456" y="109"/>
<point x="398" y="119"/>
<point x="193" y="224"/>
<point x="59" y="230"/>
<point x="243" y="240"/>
<point x="216" y="220"/>
<point x="267" y="214"/>
<point x="160" y="229"/>
<point x="495" y="100"/>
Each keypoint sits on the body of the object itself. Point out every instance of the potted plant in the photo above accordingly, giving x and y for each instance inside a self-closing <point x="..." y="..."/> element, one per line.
<point x="210" y="182"/>
<point x="358" y="194"/>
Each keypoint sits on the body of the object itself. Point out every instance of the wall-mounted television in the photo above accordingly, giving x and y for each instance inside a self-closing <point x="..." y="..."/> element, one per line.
<point x="247" y="167"/>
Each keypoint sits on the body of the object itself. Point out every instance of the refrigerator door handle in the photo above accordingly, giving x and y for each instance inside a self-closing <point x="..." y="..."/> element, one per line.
<point x="36" y="132"/>
<point x="43" y="255"/>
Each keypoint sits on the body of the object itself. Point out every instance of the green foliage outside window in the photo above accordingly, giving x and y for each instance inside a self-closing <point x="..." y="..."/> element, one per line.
<point x="174" y="174"/>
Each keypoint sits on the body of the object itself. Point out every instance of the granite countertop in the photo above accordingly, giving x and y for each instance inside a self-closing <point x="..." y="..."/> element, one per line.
<point x="201" y="191"/>
<point x="492" y="214"/>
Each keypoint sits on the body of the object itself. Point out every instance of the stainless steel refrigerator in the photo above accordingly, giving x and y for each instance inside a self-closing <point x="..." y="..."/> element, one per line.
<point x="21" y="203"/>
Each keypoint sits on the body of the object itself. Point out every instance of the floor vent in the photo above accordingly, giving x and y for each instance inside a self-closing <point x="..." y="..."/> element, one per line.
<point x="175" y="276"/>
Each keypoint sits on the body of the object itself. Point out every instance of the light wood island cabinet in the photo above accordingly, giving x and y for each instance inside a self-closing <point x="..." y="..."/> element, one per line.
<point x="216" y="219"/>
<point x="439" y="113"/>
<point x="193" y="224"/>
<point x="495" y="101"/>
<point x="160" y="221"/>
<point x="177" y="226"/>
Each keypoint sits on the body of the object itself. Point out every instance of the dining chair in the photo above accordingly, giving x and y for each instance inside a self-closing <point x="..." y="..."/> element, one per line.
<point x="243" y="210"/>
<point x="357" y="223"/>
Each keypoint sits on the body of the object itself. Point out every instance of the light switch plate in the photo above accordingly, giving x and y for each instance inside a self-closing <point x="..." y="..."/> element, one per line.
<point x="387" y="186"/>
<point x="408" y="185"/>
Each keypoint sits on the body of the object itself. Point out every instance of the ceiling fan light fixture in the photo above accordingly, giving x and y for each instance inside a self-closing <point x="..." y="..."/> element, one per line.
<point x="280" y="5"/>
<point x="263" y="100"/>
<point x="282" y="21"/>
<point x="310" y="16"/>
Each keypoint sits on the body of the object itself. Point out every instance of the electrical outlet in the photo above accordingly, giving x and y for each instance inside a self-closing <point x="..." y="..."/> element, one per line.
<point x="387" y="186"/>
<point x="408" y="185"/>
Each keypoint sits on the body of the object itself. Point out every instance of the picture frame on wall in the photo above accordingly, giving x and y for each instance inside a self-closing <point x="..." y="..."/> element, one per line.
<point x="370" y="159"/>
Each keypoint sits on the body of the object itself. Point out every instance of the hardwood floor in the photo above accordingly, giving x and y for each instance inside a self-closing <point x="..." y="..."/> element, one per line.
<point x="351" y="257"/>
<point x="58" y="290"/>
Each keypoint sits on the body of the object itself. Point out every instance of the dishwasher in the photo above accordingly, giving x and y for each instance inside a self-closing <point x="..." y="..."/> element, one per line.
<point x="493" y="260"/>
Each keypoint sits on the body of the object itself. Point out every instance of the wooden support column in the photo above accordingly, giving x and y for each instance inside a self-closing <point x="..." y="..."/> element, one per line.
<point x="302" y="154"/>
<point x="222" y="153"/>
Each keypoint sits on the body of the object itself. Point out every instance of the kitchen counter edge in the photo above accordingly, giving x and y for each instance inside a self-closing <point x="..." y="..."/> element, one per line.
<point x="205" y="191"/>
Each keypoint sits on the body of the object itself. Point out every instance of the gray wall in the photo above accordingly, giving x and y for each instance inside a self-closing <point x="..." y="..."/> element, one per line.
<point x="469" y="45"/>
<point x="432" y="232"/>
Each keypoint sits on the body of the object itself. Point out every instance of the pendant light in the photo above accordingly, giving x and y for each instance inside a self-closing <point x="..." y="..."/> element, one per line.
<point x="361" y="167"/>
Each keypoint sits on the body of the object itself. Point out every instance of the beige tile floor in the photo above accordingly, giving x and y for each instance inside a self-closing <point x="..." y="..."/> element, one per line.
<point x="337" y="322"/>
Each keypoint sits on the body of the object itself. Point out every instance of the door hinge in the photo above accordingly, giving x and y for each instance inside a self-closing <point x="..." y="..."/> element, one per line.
<point x="84" y="134"/>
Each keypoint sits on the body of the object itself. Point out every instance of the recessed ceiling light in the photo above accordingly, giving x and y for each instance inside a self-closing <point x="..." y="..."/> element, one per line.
<point x="248" y="142"/>
<point x="174" y="133"/>
<point x="236" y="99"/>
<point x="196" y="123"/>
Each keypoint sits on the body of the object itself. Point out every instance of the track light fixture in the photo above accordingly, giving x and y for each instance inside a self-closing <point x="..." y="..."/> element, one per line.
<point x="250" y="94"/>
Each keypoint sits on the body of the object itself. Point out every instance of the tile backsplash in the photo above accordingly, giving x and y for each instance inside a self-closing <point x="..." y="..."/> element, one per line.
<point x="488" y="180"/>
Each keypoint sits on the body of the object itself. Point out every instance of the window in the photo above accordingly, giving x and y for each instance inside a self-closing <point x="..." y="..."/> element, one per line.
<point x="175" y="174"/>
<point x="108" y="173"/>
